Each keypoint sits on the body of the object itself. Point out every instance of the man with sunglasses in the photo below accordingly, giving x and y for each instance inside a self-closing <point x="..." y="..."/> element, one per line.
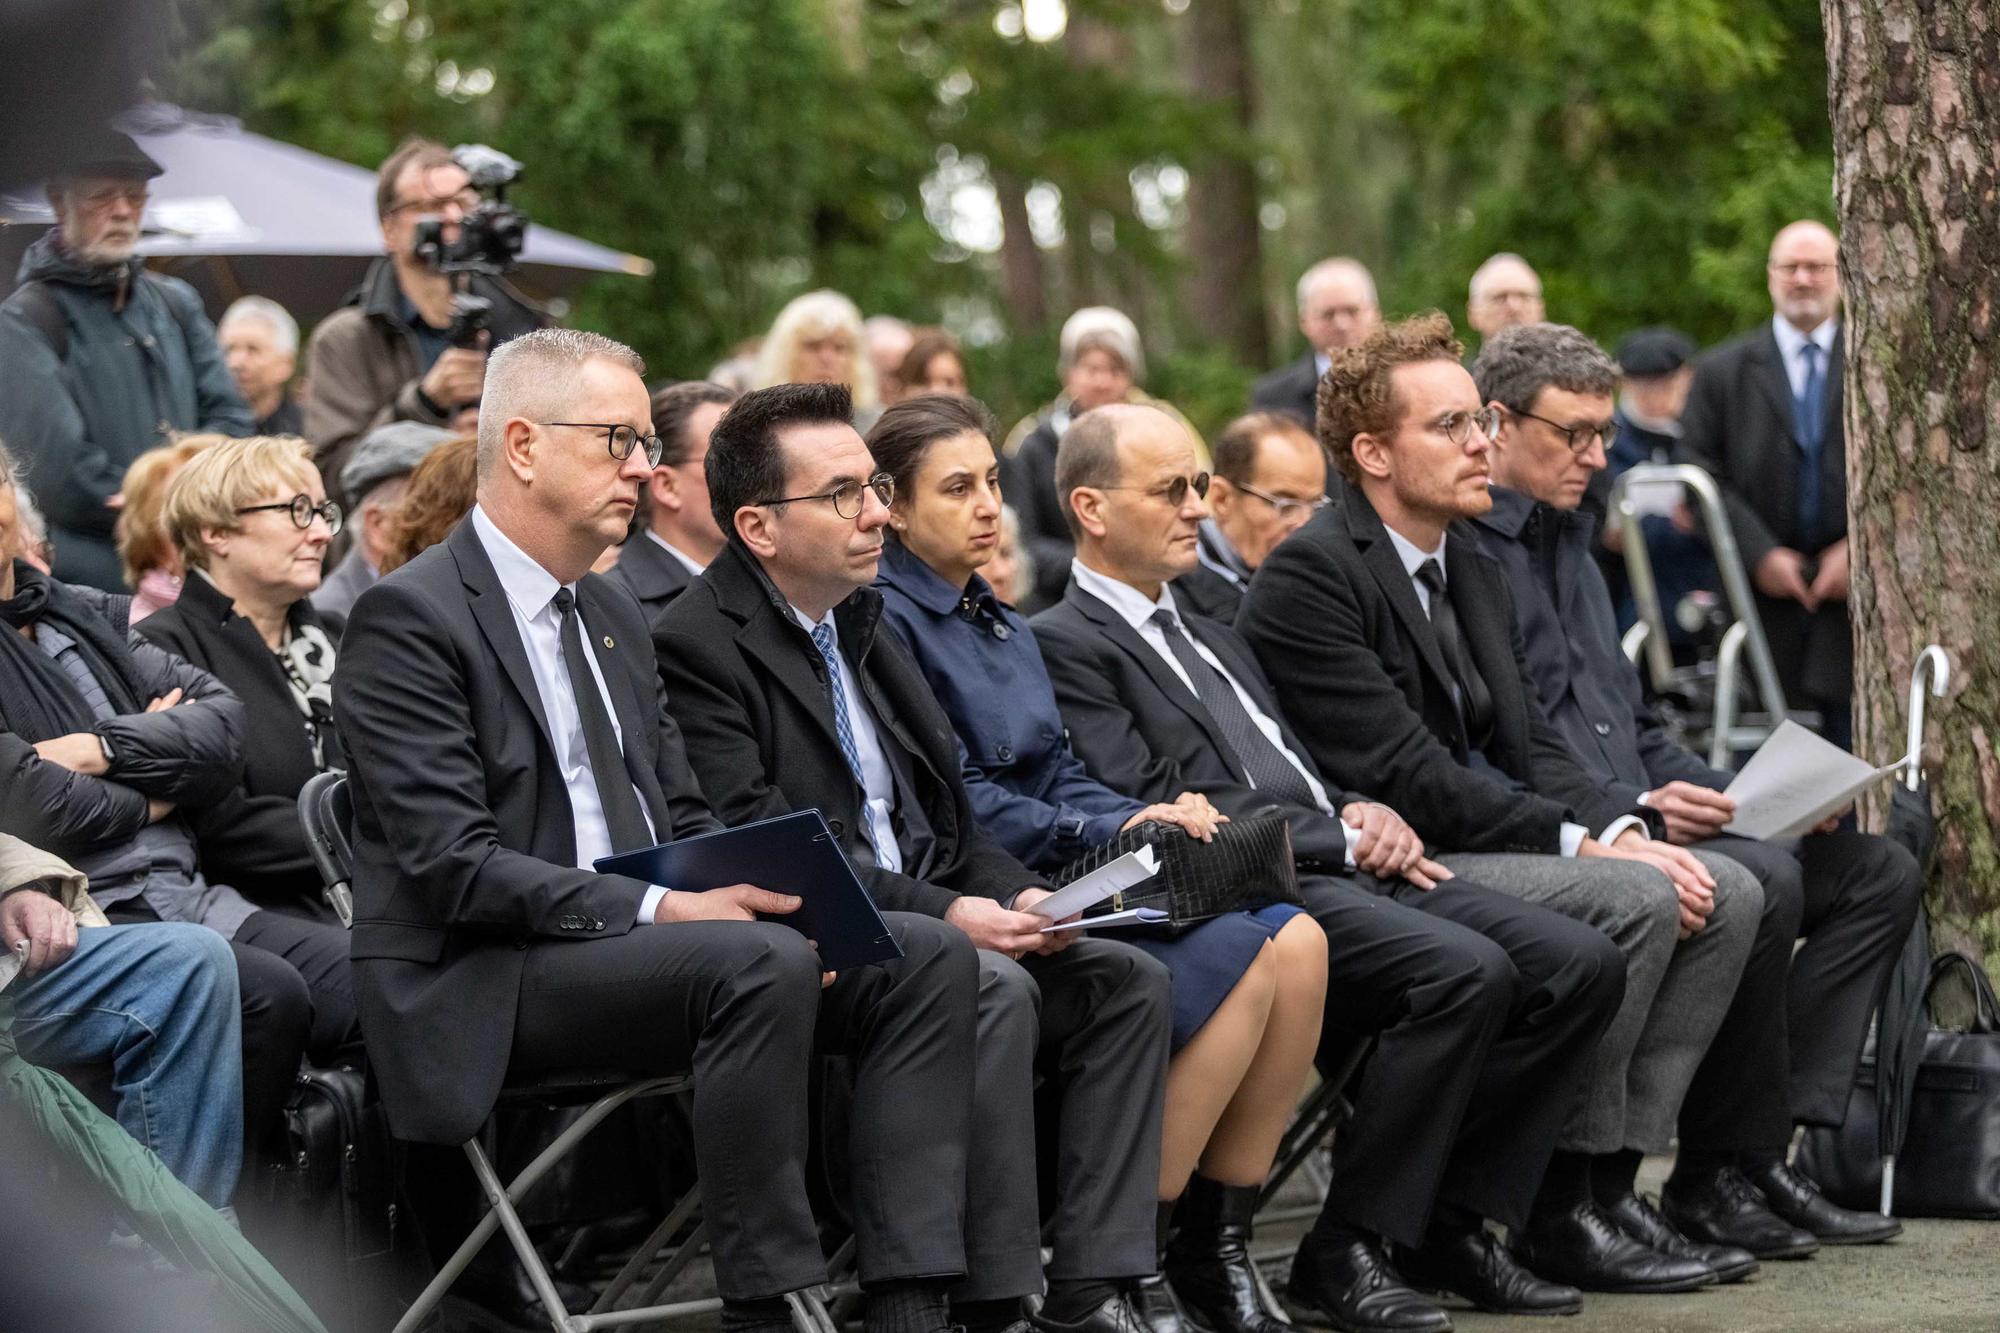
<point x="1393" y="644"/>
<point x="118" y="358"/>
<point x="785" y="683"/>
<point x="1270" y="477"/>
<point x="1788" y="1048"/>
<point x="383" y="356"/>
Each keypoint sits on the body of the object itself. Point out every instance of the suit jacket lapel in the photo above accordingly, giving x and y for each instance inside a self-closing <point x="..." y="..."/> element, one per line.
<point x="496" y="620"/>
<point x="1769" y="371"/>
<point x="1115" y="627"/>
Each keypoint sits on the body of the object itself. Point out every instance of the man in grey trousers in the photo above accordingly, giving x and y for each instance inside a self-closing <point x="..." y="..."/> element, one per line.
<point x="1392" y="644"/>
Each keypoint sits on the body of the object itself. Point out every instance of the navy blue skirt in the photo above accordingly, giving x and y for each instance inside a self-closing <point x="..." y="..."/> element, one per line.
<point x="1209" y="960"/>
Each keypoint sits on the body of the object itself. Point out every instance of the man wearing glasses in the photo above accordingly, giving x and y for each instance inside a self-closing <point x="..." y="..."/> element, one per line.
<point x="793" y="695"/>
<point x="384" y="355"/>
<point x="1765" y="418"/>
<point x="118" y="358"/>
<point x="1270" y="477"/>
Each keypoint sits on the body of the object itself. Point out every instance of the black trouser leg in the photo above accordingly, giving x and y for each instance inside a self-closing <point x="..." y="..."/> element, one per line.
<point x="317" y="952"/>
<point x="1570" y="979"/>
<point x="909" y="1026"/>
<point x="1003" y="1247"/>
<point x="736" y="1002"/>
<point x="1737" y="1100"/>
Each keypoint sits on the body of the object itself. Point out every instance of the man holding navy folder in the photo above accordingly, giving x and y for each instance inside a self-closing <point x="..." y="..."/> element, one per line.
<point x="502" y="710"/>
<point x="778" y="672"/>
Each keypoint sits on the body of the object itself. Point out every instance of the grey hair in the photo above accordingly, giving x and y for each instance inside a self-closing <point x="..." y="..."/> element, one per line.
<point x="533" y="375"/>
<point x="1327" y="268"/>
<point x="1485" y="271"/>
<point x="1516" y="364"/>
<point x="284" y="329"/>
<point x="28" y="514"/>
<point x="8" y="475"/>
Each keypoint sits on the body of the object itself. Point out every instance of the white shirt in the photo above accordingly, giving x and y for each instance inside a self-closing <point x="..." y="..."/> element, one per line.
<point x="1135" y="610"/>
<point x="531" y="592"/>
<point x="878" y="780"/>
<point x="1413" y="557"/>
<point x="688" y="562"/>
<point x="1791" y="342"/>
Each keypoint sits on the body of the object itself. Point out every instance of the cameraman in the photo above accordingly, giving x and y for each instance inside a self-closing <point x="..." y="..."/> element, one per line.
<point x="386" y="355"/>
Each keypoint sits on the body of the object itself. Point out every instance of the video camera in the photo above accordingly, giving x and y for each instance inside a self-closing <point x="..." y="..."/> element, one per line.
<point x="490" y="239"/>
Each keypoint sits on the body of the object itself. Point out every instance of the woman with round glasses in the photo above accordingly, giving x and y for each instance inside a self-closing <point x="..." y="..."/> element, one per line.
<point x="251" y="522"/>
<point x="1248" y="987"/>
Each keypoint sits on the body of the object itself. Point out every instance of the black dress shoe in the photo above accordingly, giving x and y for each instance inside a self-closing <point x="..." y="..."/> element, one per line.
<point x="1352" y="1288"/>
<point x="503" y="1298"/>
<point x="1642" y="1222"/>
<point x="1794" y="1197"/>
<point x="1717" y="1206"/>
<point x="1208" y="1261"/>
<point x="1160" y="1308"/>
<point x="1116" y="1315"/>
<point x="1476" y="1265"/>
<point x="1585" y="1248"/>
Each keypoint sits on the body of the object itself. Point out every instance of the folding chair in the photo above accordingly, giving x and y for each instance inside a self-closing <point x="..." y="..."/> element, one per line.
<point x="327" y="810"/>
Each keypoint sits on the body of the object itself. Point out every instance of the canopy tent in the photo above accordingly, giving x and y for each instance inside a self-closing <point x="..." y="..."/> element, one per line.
<point x="237" y="213"/>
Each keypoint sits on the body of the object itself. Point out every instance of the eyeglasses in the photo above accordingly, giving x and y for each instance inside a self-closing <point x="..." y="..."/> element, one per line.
<point x="621" y="439"/>
<point x="1288" y="508"/>
<point x="1174" y="492"/>
<point x="1457" y="426"/>
<point x="303" y="510"/>
<point x="847" y="497"/>
<point x="465" y="201"/>
<point x="1578" y="438"/>
<point x="1803" y="269"/>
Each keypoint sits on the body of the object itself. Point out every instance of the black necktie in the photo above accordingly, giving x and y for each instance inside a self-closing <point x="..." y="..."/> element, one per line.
<point x="1267" y="766"/>
<point x="623" y="818"/>
<point x="1475" y="703"/>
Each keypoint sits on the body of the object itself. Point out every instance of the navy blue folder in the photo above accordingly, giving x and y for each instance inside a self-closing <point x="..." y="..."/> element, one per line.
<point x="795" y="854"/>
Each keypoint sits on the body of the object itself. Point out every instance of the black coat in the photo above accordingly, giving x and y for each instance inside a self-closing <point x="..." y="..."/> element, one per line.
<point x="750" y="692"/>
<point x="190" y="754"/>
<point x="1141" y="731"/>
<point x="1738" y="425"/>
<point x="465" y="847"/>
<point x="652" y="573"/>
<point x="251" y="839"/>
<point x="1028" y="480"/>
<point x="1337" y="625"/>
<point x="1292" y="389"/>
<point x="1589" y="689"/>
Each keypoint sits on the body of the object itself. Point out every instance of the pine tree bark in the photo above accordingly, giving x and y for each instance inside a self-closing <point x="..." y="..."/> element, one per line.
<point x="1224" y="241"/>
<point x="1021" y="289"/>
<point x="1915" y="93"/>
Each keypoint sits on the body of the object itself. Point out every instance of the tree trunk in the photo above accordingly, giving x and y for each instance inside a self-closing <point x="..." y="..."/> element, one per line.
<point x="1020" y="260"/>
<point x="1224" y="243"/>
<point x="1915" y="93"/>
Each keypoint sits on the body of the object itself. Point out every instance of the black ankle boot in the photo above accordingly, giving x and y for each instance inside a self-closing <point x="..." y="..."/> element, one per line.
<point x="1208" y="1261"/>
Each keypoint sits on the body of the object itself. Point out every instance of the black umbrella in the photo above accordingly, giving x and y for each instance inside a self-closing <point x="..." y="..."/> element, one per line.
<point x="1899" y="1027"/>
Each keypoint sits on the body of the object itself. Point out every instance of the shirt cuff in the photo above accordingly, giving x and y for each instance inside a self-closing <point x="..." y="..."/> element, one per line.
<point x="1620" y="824"/>
<point x="650" y="904"/>
<point x="1353" y="835"/>
<point x="1572" y="837"/>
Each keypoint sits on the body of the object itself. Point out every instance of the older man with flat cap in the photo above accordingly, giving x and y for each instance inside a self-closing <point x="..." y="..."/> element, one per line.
<point x="376" y="474"/>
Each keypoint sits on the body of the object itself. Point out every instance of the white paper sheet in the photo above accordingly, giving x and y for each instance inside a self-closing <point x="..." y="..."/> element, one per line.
<point x="1796" y="780"/>
<point x="12" y="962"/>
<point x="1086" y="893"/>
<point x="1649" y="498"/>
<point x="1131" y="916"/>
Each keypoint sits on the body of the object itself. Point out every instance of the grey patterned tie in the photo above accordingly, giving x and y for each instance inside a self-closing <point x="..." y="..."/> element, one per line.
<point x="1266" y="764"/>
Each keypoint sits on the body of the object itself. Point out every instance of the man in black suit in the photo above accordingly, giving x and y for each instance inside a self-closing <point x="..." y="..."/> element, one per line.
<point x="1484" y="1010"/>
<point x="1337" y="309"/>
<point x="779" y="673"/>
<point x="1851" y="896"/>
<point x="1765" y="417"/>
<point x="1270" y="477"/>
<point x="502" y="712"/>
<point x="1393" y="646"/>
<point x="677" y="537"/>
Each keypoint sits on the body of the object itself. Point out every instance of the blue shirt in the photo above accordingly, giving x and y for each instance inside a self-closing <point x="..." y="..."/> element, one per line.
<point x="1027" y="787"/>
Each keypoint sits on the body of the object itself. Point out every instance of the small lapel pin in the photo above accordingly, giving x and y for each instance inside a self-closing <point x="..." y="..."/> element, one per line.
<point x="608" y="643"/>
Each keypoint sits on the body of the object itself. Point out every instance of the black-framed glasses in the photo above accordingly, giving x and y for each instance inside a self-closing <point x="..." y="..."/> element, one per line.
<point x="847" y="497"/>
<point x="1457" y="426"/>
<point x="466" y="200"/>
<point x="1288" y="508"/>
<point x="1174" y="492"/>
<point x="621" y="439"/>
<point x="1578" y="438"/>
<point x="302" y="511"/>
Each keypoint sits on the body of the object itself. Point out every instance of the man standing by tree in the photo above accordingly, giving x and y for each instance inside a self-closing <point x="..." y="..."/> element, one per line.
<point x="1764" y="417"/>
<point x="1337" y="309"/>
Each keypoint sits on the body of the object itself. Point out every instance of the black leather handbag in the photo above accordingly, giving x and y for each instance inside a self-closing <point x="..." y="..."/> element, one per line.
<point x="1247" y="866"/>
<point x="1950" y="1163"/>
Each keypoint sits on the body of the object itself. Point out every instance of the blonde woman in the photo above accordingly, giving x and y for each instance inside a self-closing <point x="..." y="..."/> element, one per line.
<point x="152" y="567"/>
<point x="818" y="339"/>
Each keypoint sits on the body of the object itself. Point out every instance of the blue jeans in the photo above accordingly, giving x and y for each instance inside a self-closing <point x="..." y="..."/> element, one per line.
<point x="158" y="1002"/>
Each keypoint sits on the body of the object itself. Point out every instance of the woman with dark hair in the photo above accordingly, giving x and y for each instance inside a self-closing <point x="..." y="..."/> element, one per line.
<point x="1248" y="987"/>
<point x="934" y="364"/>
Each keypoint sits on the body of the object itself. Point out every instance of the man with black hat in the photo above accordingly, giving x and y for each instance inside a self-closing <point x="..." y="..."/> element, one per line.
<point x="1658" y="366"/>
<point x="376" y="474"/>
<point x="119" y="358"/>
